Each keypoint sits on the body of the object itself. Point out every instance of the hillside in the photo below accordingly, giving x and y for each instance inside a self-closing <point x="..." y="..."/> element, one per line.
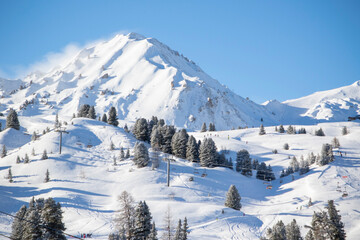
<point x="141" y="77"/>
<point x="86" y="183"/>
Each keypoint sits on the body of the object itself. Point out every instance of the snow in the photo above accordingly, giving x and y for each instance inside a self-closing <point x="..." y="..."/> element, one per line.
<point x="85" y="182"/>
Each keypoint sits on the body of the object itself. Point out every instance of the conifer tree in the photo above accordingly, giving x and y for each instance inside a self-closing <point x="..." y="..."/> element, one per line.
<point x="203" y="127"/>
<point x="326" y="156"/>
<point x="261" y="171"/>
<point x="335" y="143"/>
<point x="141" y="155"/>
<point x="26" y="159"/>
<point x="51" y="215"/>
<point x="169" y="228"/>
<point x="286" y="146"/>
<point x="169" y="132"/>
<point x="84" y="110"/>
<point x="212" y="127"/>
<point x="122" y="154"/>
<point x="10" y="176"/>
<point x="153" y="233"/>
<point x="281" y="129"/>
<point x="243" y="163"/>
<point x="125" y="215"/>
<point x="33" y="152"/>
<point x="185" y="229"/>
<point x="319" y="225"/>
<point x="208" y="154"/>
<point x="233" y="198"/>
<point x="4" y="151"/>
<point x="304" y="167"/>
<point x="44" y="155"/>
<point x="309" y="235"/>
<point x="18" y="159"/>
<point x="34" y="136"/>
<point x="344" y="130"/>
<point x="336" y="226"/>
<point x="112" y="146"/>
<point x="262" y="130"/>
<point x="178" y="143"/>
<point x="126" y="129"/>
<point x="142" y="221"/>
<point x="319" y="132"/>
<point x="277" y="232"/>
<point x="47" y="176"/>
<point x="294" y="164"/>
<point x="92" y="113"/>
<point x="127" y="155"/>
<point x="192" y="152"/>
<point x="178" y="232"/>
<point x="140" y="130"/>
<point x="156" y="137"/>
<point x="293" y="231"/>
<point x="112" y="117"/>
<point x="104" y="118"/>
<point x="31" y="226"/>
<point x="12" y="120"/>
<point x="17" y="227"/>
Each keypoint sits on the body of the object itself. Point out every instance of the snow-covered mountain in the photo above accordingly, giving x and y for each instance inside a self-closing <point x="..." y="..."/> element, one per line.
<point x="141" y="77"/>
<point x="332" y="105"/>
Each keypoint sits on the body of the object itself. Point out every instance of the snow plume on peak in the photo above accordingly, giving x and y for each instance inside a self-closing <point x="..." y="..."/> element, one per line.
<point x="141" y="77"/>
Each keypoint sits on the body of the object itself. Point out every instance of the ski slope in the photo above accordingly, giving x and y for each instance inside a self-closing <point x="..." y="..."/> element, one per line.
<point x="86" y="183"/>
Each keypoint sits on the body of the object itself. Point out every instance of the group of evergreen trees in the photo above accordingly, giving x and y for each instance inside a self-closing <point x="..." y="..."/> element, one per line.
<point x="290" y="130"/>
<point x="243" y="163"/>
<point x="88" y="111"/>
<point x="264" y="172"/>
<point x="41" y="220"/>
<point x="211" y="127"/>
<point x="324" y="225"/>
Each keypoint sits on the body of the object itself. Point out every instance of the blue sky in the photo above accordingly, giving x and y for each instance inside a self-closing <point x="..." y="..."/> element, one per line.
<point x="260" y="49"/>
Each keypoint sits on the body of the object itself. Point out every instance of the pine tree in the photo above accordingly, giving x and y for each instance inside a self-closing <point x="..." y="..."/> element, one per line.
<point x="140" y="130"/>
<point x="336" y="226"/>
<point x="142" y="221"/>
<point x="112" y="117"/>
<point x="178" y="232"/>
<point x="122" y="154"/>
<point x="4" y="151"/>
<point x="243" y="163"/>
<point x="185" y="229"/>
<point x="309" y="235"/>
<point x="326" y="156"/>
<point x="32" y="230"/>
<point x="208" y="154"/>
<point x="319" y="226"/>
<point x="44" y="156"/>
<point x="293" y="231"/>
<point x="17" y="227"/>
<point x="153" y="233"/>
<point x="286" y="146"/>
<point x="92" y="113"/>
<point x="319" y="132"/>
<point x="112" y="146"/>
<point x="104" y="118"/>
<point x="18" y="160"/>
<point x="262" y="130"/>
<point x="212" y="127"/>
<point x="34" y="136"/>
<point x="233" y="198"/>
<point x="344" y="130"/>
<point x="47" y="176"/>
<point x="294" y="164"/>
<point x="26" y="159"/>
<point x="261" y="171"/>
<point x="169" y="132"/>
<point x="126" y="129"/>
<point x="277" y="232"/>
<point x="33" y="152"/>
<point x="281" y="129"/>
<point x="203" y="127"/>
<point x="84" y="110"/>
<point x="335" y="143"/>
<point x="51" y="215"/>
<point x="10" y="176"/>
<point x="304" y="167"/>
<point x="290" y="130"/>
<point x="192" y="152"/>
<point x="12" y="120"/>
<point x="178" y="143"/>
<point x="269" y="175"/>
<point x="156" y="137"/>
<point x="127" y="155"/>
<point x="141" y="155"/>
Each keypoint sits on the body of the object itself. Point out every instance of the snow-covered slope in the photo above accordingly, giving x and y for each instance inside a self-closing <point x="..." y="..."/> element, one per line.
<point x="86" y="183"/>
<point x="332" y="105"/>
<point x="141" y="77"/>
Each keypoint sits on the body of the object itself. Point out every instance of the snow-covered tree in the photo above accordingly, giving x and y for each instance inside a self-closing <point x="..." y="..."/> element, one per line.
<point x="192" y="151"/>
<point x="336" y="226"/>
<point x="168" y="226"/>
<point x="233" y="198"/>
<point x="294" y="164"/>
<point x="319" y="132"/>
<point x="261" y="171"/>
<point x="277" y="232"/>
<point x="126" y="129"/>
<point x="3" y="151"/>
<point x="290" y="130"/>
<point x="104" y="118"/>
<point x="281" y="129"/>
<point x="153" y="233"/>
<point x="309" y="235"/>
<point x="335" y="143"/>
<point x="243" y="163"/>
<point x="142" y="221"/>
<point x="122" y="154"/>
<point x="156" y="137"/>
<point x="31" y="226"/>
<point x="44" y="155"/>
<point x="178" y="231"/>
<point x="51" y="215"/>
<point x="127" y="155"/>
<point x="203" y="127"/>
<point x="168" y="132"/>
<point x="262" y="130"/>
<point x="91" y="113"/>
<point x="140" y="129"/>
<point x="84" y="110"/>
<point x="344" y="130"/>
<point x="326" y="156"/>
<point x="124" y="219"/>
<point x="12" y="120"/>
<point x="208" y="154"/>
<point x="141" y="155"/>
<point x="17" y="227"/>
<point x="304" y="167"/>
<point x="178" y="143"/>
<point x="185" y="229"/>
<point x="286" y="146"/>
<point x="320" y="226"/>
<point x="112" y="117"/>
<point x="112" y="146"/>
<point x="293" y="231"/>
<point x="47" y="176"/>
<point x="18" y="160"/>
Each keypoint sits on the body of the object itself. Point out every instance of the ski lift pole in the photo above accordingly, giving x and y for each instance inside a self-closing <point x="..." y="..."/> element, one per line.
<point x="61" y="132"/>
<point x="168" y="172"/>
